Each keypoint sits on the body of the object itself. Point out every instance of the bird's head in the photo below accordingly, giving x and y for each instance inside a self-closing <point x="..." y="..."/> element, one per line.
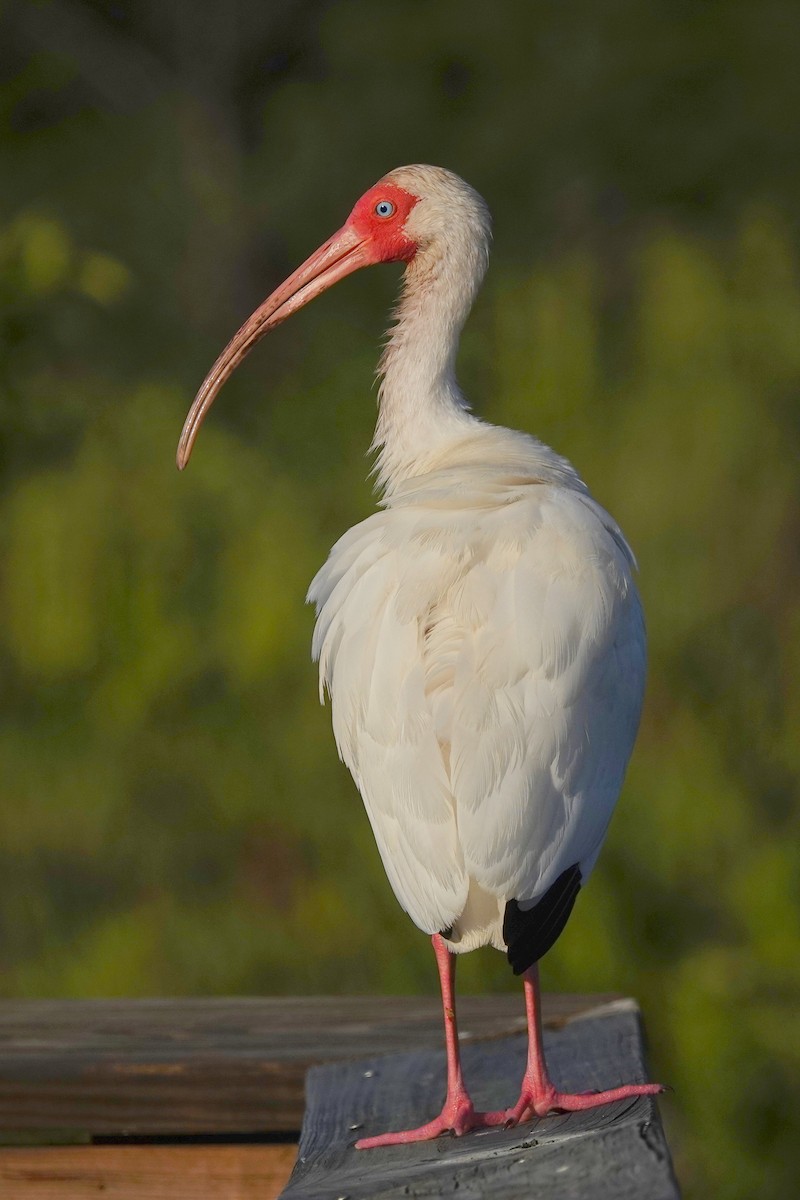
<point x="417" y="209"/>
<point x="411" y="211"/>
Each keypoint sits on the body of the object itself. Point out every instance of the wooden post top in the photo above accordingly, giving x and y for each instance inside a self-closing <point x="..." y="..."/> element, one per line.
<point x="249" y="1072"/>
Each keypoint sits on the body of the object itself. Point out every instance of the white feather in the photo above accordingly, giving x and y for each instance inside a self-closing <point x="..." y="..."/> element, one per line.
<point x="485" y="663"/>
<point x="481" y="638"/>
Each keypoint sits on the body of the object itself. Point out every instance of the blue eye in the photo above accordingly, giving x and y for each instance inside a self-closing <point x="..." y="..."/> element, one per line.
<point x="384" y="208"/>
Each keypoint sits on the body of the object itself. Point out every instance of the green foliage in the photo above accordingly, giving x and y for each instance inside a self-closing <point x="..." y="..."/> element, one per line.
<point x="173" y="818"/>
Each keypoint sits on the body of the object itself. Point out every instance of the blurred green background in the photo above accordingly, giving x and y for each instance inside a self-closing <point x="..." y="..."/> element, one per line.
<point x="173" y="816"/>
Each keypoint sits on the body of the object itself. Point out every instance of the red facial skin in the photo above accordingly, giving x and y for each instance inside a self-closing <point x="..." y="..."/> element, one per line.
<point x="386" y="236"/>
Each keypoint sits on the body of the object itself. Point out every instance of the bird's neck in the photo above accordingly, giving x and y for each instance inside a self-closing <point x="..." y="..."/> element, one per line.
<point x="421" y="408"/>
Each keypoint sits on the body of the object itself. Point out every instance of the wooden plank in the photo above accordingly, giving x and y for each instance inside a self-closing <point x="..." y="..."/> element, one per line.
<point x="188" y="1066"/>
<point x="146" y="1172"/>
<point x="614" y="1152"/>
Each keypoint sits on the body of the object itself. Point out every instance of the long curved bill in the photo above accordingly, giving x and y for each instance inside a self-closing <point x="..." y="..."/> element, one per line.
<point x="342" y="254"/>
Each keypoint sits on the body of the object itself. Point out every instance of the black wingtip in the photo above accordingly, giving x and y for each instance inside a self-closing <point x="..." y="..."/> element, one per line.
<point x="530" y="933"/>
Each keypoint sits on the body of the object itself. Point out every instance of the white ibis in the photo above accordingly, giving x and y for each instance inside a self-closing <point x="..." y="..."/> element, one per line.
<point x="481" y="637"/>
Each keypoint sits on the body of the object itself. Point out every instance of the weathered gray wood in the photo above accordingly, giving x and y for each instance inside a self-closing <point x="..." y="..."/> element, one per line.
<point x="615" y="1152"/>
<point x="124" y="1067"/>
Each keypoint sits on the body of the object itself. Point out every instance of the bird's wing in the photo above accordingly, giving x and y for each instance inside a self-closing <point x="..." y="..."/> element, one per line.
<point x="369" y="596"/>
<point x="486" y="671"/>
<point x="547" y="693"/>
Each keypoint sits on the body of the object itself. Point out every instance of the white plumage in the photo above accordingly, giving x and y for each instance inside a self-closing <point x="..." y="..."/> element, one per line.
<point x="483" y="646"/>
<point x="481" y="637"/>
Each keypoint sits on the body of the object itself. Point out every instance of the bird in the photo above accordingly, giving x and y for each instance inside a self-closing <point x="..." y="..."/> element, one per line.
<point x="480" y="635"/>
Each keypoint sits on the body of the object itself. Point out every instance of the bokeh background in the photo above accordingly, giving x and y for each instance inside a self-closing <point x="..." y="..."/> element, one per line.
<point x="173" y="816"/>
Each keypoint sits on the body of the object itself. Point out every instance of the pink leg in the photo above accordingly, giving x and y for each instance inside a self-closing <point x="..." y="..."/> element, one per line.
<point x="457" y="1116"/>
<point x="539" y="1096"/>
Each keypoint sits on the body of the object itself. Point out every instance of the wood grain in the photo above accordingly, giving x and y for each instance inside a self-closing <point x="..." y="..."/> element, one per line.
<point x="146" y="1172"/>
<point x="212" y="1066"/>
<point x="613" y="1152"/>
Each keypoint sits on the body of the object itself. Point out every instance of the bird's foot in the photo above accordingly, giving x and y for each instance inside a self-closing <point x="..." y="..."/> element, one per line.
<point x="537" y="1100"/>
<point x="457" y="1117"/>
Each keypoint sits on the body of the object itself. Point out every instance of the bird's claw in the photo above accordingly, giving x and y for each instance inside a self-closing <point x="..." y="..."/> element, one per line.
<point x="547" y="1101"/>
<point x="456" y="1119"/>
